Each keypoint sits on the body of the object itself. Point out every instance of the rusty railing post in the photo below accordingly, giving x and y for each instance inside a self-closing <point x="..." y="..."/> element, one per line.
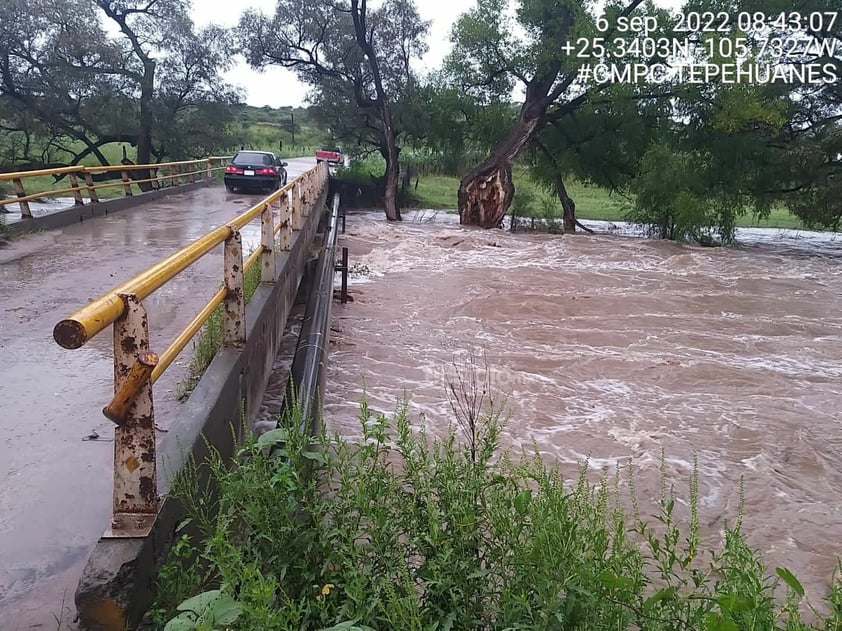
<point x="298" y="207"/>
<point x="209" y="169"/>
<point x="267" y="241"/>
<point x="285" y="223"/>
<point x="135" y="498"/>
<point x="234" y="331"/>
<point x="89" y="182"/>
<point x="25" y="211"/>
<point x="77" y="193"/>
<point x="127" y="187"/>
<point x="153" y="175"/>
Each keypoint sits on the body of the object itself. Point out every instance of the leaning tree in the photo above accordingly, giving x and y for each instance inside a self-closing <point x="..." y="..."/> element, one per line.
<point x="496" y="51"/>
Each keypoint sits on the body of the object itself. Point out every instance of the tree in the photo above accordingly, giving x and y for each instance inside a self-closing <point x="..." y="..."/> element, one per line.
<point x="142" y="85"/>
<point x="356" y="58"/>
<point x="739" y="148"/>
<point x="602" y="142"/>
<point x="490" y="59"/>
<point x="747" y="146"/>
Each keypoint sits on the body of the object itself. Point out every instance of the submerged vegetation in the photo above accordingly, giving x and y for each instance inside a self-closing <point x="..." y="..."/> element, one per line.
<point x="401" y="531"/>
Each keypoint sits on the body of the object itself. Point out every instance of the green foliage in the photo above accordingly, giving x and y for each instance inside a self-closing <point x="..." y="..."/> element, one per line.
<point x="399" y="531"/>
<point x="673" y="201"/>
<point x="101" y="72"/>
<point x="208" y="611"/>
<point x="362" y="171"/>
<point x="274" y="129"/>
<point x="209" y="339"/>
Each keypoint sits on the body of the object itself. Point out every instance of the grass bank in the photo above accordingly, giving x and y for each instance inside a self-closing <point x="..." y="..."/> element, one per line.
<point x="592" y="202"/>
<point x="398" y="531"/>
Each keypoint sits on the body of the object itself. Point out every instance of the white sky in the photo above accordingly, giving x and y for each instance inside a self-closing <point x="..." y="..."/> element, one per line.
<point x="278" y="87"/>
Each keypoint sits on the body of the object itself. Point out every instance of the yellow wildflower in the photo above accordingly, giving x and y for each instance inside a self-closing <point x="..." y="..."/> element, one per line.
<point x="325" y="591"/>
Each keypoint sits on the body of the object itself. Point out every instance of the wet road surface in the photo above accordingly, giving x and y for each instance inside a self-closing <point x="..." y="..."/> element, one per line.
<point x="55" y="486"/>
<point x="614" y="348"/>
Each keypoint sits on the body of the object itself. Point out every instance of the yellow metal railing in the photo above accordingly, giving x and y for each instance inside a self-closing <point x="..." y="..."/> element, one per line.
<point x="82" y="179"/>
<point x="136" y="368"/>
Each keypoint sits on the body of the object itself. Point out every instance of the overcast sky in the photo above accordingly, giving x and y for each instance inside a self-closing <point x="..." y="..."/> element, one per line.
<point x="277" y="87"/>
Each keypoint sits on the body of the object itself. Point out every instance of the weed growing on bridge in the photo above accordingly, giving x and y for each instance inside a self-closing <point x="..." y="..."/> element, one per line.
<point x="209" y="339"/>
<point x="398" y="531"/>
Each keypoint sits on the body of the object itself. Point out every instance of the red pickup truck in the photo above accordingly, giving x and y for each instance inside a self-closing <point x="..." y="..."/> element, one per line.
<point x="331" y="155"/>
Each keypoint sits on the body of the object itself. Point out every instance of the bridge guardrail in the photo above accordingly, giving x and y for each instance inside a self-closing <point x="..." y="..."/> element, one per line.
<point x="136" y="368"/>
<point x="82" y="179"/>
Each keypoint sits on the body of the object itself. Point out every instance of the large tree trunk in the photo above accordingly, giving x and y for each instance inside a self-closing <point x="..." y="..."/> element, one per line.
<point x="144" y="134"/>
<point x="359" y="15"/>
<point x="568" y="215"/>
<point x="390" y="194"/>
<point x="486" y="193"/>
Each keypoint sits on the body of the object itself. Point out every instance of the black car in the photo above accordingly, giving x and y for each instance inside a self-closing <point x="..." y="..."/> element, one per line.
<point x="255" y="169"/>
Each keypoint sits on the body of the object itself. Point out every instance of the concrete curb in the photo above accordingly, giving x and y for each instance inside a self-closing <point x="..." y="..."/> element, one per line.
<point x="78" y="214"/>
<point x="117" y="584"/>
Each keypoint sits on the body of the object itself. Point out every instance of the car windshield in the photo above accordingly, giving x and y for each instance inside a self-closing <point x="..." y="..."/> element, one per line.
<point x="253" y="157"/>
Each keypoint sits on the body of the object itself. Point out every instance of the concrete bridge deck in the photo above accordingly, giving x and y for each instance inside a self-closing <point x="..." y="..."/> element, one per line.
<point x="55" y="482"/>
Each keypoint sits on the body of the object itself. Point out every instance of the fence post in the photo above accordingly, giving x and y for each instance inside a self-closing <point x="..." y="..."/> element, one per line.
<point x="267" y="241"/>
<point x="209" y="169"/>
<point x="127" y="187"/>
<point x="89" y="182"/>
<point x="77" y="194"/>
<point x="234" y="332"/>
<point x="135" y="497"/>
<point x="153" y="175"/>
<point x="25" y="211"/>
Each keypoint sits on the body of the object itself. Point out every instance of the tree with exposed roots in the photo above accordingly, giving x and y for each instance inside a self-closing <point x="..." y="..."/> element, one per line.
<point x="743" y="147"/>
<point x="497" y="50"/>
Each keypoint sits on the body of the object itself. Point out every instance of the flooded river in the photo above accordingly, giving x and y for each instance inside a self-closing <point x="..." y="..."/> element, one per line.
<point x="616" y="347"/>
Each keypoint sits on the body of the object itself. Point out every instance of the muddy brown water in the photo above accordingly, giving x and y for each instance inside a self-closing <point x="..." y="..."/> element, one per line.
<point x="615" y="348"/>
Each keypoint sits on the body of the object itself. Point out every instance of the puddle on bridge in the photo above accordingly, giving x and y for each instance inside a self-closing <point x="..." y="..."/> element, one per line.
<point x="615" y="348"/>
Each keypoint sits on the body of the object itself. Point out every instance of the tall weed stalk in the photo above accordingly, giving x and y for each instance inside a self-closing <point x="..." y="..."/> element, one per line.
<point x="400" y="531"/>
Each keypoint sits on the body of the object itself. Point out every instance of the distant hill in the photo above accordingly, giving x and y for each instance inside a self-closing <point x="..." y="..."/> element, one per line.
<point x="266" y="127"/>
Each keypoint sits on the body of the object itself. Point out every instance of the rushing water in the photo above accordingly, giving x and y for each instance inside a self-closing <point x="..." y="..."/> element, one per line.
<point x="615" y="347"/>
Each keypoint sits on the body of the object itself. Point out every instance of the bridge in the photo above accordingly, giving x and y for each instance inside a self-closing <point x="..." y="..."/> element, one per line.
<point x="86" y="455"/>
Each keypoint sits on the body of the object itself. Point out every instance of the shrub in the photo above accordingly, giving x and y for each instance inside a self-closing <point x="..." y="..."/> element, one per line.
<point x="398" y="531"/>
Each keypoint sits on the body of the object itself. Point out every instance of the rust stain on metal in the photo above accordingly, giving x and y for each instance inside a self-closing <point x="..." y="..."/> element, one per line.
<point x="148" y="492"/>
<point x="134" y="440"/>
<point x="128" y="344"/>
<point x="70" y="334"/>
